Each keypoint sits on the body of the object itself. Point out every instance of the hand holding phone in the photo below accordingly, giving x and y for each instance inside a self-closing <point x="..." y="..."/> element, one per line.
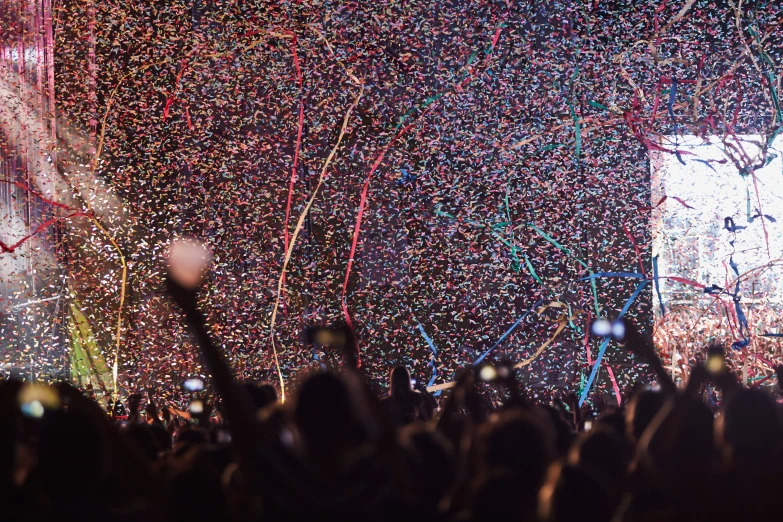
<point x="716" y="360"/>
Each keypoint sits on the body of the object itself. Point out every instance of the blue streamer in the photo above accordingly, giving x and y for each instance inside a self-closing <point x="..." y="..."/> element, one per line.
<point x="672" y="99"/>
<point x="434" y="354"/>
<point x="728" y="224"/>
<point x="744" y="329"/>
<point x="594" y="371"/>
<point x="657" y="286"/>
<point x="605" y="342"/>
<point x="706" y="163"/>
<point x="631" y="299"/>
<point x="508" y="332"/>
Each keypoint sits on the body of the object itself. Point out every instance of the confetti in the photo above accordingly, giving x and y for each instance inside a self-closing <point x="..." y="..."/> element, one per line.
<point x="430" y="174"/>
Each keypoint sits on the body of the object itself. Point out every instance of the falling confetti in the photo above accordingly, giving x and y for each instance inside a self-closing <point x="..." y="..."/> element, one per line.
<point x="435" y="175"/>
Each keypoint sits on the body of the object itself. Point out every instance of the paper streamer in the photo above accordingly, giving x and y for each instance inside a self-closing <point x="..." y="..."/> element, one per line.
<point x="299" y="224"/>
<point x="297" y="148"/>
<point x="507" y="333"/>
<point x="431" y="344"/>
<point x="605" y="343"/>
<point x="657" y="286"/>
<point x="614" y="385"/>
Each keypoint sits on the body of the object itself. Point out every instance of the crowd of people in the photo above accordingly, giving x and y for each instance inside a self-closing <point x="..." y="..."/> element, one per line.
<point x="336" y="451"/>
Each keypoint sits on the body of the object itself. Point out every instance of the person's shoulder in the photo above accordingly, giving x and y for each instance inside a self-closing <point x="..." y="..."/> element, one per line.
<point x="418" y="396"/>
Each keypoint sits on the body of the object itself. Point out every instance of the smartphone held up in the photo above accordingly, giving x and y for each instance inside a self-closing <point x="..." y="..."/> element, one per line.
<point x="35" y="399"/>
<point x="193" y="385"/>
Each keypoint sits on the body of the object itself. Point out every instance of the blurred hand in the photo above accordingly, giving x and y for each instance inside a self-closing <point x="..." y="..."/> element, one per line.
<point x="133" y="403"/>
<point x="727" y="382"/>
<point x="638" y="343"/>
<point x="166" y="412"/>
<point x="572" y="400"/>
<point x="600" y="403"/>
<point x="699" y="375"/>
<point x="152" y="408"/>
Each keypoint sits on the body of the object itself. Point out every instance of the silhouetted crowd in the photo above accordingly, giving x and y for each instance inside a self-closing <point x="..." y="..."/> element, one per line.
<point x="335" y="451"/>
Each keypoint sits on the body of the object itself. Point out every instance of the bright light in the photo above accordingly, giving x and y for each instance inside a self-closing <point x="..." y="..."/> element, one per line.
<point x="694" y="243"/>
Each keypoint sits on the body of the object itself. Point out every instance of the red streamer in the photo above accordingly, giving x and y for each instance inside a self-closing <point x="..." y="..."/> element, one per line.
<point x="10" y="249"/>
<point x="292" y="183"/>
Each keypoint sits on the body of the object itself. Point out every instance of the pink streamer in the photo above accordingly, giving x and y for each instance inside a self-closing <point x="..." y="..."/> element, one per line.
<point x="294" y="177"/>
<point x="614" y="385"/>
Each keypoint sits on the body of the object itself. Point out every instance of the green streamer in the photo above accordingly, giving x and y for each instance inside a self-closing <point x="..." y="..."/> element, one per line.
<point x="772" y="79"/>
<point x="87" y="360"/>
<point x="598" y="105"/>
<point x="459" y="76"/>
<point x="572" y="256"/>
<point x="546" y="236"/>
<point x="517" y="264"/>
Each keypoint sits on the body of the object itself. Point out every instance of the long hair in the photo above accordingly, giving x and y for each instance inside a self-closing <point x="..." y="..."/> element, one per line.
<point x="400" y="382"/>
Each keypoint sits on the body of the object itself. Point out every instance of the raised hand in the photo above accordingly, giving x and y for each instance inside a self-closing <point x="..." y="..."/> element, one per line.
<point x="166" y="412"/>
<point x="133" y="407"/>
<point x="642" y="346"/>
<point x="599" y="402"/>
<point x="638" y="343"/>
<point x="699" y="375"/>
<point x="152" y="408"/>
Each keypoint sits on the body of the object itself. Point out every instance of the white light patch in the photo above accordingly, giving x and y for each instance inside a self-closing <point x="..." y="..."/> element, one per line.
<point x="693" y="243"/>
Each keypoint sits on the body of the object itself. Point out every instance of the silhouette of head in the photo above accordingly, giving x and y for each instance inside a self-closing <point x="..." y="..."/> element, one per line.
<point x="517" y="442"/>
<point x="431" y="460"/>
<point x="641" y="411"/>
<point x="262" y="395"/>
<point x="605" y="451"/>
<point x="145" y="440"/>
<point x="324" y="414"/>
<point x="573" y="493"/>
<point x="749" y="428"/>
<point x="400" y="381"/>
<point x="72" y="454"/>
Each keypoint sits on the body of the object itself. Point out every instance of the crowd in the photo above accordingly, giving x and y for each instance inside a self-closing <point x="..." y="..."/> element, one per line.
<point x="335" y="451"/>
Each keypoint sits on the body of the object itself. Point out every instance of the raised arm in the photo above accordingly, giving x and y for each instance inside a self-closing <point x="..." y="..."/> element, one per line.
<point x="642" y="346"/>
<point x="236" y="404"/>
